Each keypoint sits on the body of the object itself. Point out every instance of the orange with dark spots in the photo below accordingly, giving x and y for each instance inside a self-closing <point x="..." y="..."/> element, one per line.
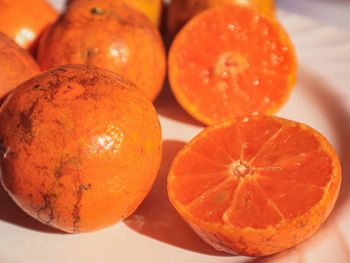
<point x="150" y="8"/>
<point x="110" y="35"/>
<point x="255" y="186"/>
<point x="25" y="20"/>
<point x="16" y="65"/>
<point x="231" y="61"/>
<point x="181" y="11"/>
<point x="80" y="147"/>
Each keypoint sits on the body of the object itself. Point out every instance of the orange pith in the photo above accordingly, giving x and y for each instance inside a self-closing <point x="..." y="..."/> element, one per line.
<point x="231" y="61"/>
<point x="255" y="186"/>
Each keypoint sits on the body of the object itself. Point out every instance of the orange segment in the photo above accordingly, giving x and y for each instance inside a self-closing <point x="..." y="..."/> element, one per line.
<point x="313" y="168"/>
<point x="212" y="204"/>
<point x="231" y="61"/>
<point x="191" y="186"/>
<point x="274" y="191"/>
<point x="253" y="135"/>
<point x="290" y="141"/>
<point x="292" y="199"/>
<point x="251" y="208"/>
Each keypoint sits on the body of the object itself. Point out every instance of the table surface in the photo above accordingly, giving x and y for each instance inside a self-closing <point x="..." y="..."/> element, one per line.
<point x="333" y="12"/>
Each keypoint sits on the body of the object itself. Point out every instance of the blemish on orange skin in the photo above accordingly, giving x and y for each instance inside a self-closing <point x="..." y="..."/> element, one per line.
<point x="151" y="8"/>
<point x="67" y="91"/>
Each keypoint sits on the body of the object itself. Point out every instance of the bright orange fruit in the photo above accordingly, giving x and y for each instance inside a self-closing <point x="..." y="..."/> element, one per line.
<point x="180" y="11"/>
<point x="80" y="147"/>
<point x="24" y="20"/>
<point x="255" y="186"/>
<point x="231" y="61"/>
<point x="150" y="8"/>
<point x="110" y="35"/>
<point x="16" y="65"/>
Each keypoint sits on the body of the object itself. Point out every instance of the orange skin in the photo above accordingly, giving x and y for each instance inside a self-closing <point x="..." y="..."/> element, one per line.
<point x="180" y="11"/>
<point x="16" y="65"/>
<point x="151" y="8"/>
<point x="80" y="147"/>
<point x="273" y="236"/>
<point x="127" y="43"/>
<point x="25" y="20"/>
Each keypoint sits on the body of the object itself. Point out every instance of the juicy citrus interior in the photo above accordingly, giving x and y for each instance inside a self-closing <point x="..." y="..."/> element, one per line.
<point x="256" y="173"/>
<point x="231" y="61"/>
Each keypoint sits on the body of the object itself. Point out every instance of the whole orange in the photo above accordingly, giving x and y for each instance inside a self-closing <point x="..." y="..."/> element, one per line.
<point x="16" y="65"/>
<point x="24" y="20"/>
<point x="109" y="35"/>
<point x="80" y="147"/>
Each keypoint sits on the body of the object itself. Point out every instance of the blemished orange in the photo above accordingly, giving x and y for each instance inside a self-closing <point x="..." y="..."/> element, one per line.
<point x="25" y="20"/>
<point x="150" y="8"/>
<point x="80" y="147"/>
<point x="256" y="185"/>
<point x="231" y="61"/>
<point x="180" y="11"/>
<point x="109" y="35"/>
<point x="16" y="65"/>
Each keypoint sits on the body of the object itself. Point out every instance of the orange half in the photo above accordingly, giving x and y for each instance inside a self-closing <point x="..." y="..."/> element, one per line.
<point x="255" y="186"/>
<point x="231" y="61"/>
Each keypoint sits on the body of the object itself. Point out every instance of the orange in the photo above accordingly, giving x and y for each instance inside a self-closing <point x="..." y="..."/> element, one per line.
<point x="180" y="11"/>
<point x="16" y="65"/>
<point x="150" y="8"/>
<point x="80" y="147"/>
<point x="255" y="186"/>
<point x="109" y="35"/>
<point x="231" y="61"/>
<point x="24" y="20"/>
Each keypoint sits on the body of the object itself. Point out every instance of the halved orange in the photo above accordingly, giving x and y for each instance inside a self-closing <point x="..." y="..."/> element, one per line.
<point x="255" y="186"/>
<point x="231" y="61"/>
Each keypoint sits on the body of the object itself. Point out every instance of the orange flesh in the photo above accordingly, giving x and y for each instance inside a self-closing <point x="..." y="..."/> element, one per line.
<point x="229" y="62"/>
<point x="270" y="172"/>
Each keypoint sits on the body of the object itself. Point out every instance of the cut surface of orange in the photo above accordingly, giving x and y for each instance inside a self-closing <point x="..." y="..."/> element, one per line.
<point x="231" y="61"/>
<point x="255" y="186"/>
